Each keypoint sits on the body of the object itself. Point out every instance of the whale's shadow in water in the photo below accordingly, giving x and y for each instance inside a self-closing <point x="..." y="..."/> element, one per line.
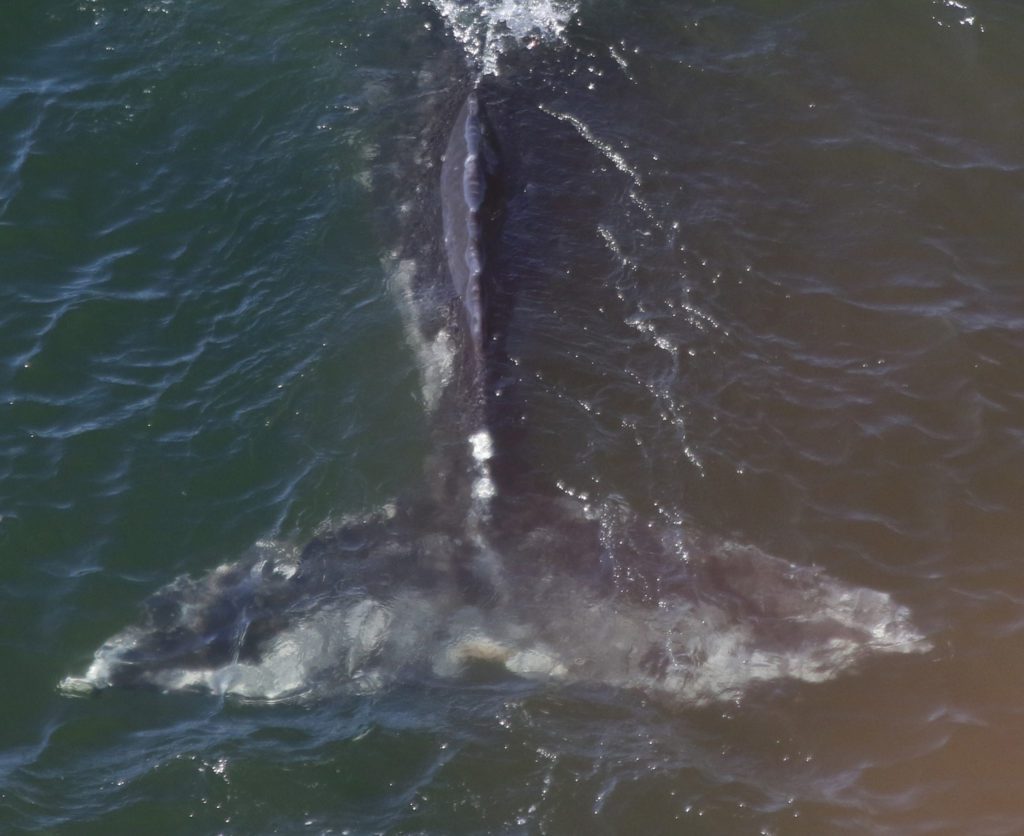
<point x="481" y="566"/>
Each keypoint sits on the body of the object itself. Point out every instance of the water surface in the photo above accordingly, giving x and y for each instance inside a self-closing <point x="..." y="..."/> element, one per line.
<point x="771" y="291"/>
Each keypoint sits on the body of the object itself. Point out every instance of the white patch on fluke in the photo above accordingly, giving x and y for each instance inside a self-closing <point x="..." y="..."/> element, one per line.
<point x="482" y="446"/>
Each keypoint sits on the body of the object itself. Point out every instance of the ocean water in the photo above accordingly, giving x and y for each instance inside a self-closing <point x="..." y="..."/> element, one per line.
<point x="768" y="262"/>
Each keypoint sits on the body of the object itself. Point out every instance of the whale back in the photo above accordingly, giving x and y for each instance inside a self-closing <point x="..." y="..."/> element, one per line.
<point x="470" y="208"/>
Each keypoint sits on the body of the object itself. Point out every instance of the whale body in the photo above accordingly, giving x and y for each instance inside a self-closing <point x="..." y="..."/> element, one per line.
<point x="444" y="583"/>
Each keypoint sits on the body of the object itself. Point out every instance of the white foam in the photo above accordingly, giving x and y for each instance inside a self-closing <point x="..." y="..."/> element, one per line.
<point x="487" y="29"/>
<point x="482" y="446"/>
<point x="435" y="355"/>
<point x="483" y="488"/>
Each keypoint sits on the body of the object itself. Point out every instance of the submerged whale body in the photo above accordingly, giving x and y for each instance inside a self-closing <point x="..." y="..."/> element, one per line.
<point x="447" y="581"/>
<point x="376" y="602"/>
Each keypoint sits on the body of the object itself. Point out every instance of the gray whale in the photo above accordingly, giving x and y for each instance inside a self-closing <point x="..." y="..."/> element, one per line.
<point x="468" y="574"/>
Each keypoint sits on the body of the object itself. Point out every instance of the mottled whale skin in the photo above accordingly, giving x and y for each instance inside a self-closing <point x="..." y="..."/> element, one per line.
<point x="378" y="601"/>
<point x="442" y="582"/>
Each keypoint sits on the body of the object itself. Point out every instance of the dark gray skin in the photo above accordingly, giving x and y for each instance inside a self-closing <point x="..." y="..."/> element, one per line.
<point x="475" y="184"/>
<point x="468" y="164"/>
